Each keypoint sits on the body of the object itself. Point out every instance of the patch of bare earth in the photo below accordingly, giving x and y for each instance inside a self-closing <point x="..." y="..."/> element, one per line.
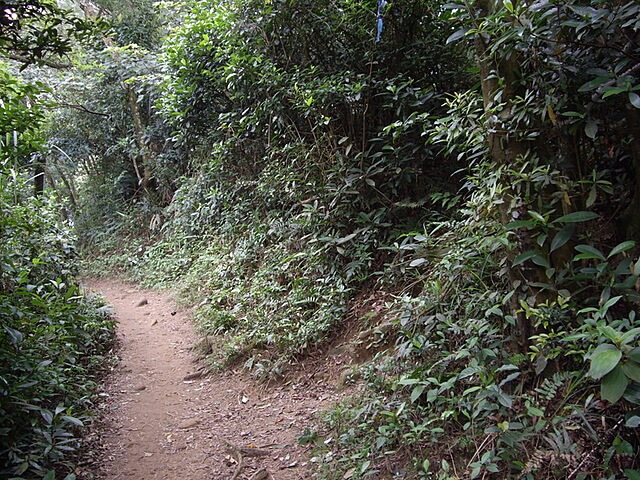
<point x="165" y="419"/>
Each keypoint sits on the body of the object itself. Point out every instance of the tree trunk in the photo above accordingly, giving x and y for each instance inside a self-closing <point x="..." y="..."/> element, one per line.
<point x="38" y="175"/>
<point x="631" y="216"/>
<point x="68" y="183"/>
<point x="498" y="76"/>
<point x="142" y="169"/>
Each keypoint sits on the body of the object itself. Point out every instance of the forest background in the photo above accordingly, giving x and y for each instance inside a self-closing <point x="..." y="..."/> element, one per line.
<point x="464" y="191"/>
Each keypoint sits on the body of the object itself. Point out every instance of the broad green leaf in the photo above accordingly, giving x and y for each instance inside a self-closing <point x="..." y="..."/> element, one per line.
<point x="47" y="416"/>
<point x="591" y="128"/>
<point x="73" y="420"/>
<point x="504" y="399"/>
<point x="632" y="393"/>
<point x="523" y="257"/>
<point x="576" y="217"/>
<point x="621" y="247"/>
<point x="520" y="224"/>
<point x="595" y="83"/>
<point x="622" y="446"/>
<point x="14" y="335"/>
<point x="627" y="337"/>
<point x="509" y="378"/>
<point x="471" y="390"/>
<point x="417" y="262"/>
<point x="589" y="251"/>
<point x="603" y="360"/>
<point x="541" y="261"/>
<point x="634" y="98"/>
<point x="584" y="256"/>
<point x="342" y="240"/>
<point x="416" y="392"/>
<point x="610" y="303"/>
<point x="609" y="91"/>
<point x="633" y="422"/>
<point x="562" y="237"/>
<point x="572" y="114"/>
<point x="591" y="198"/>
<point x="613" y="385"/>
<point x="535" y="412"/>
<point x="632" y="370"/>
<point x="432" y="395"/>
<point x="636" y="268"/>
<point x="540" y="239"/>
<point x="457" y="35"/>
<point x="634" y="354"/>
<point x="475" y="473"/>
<point x="536" y="216"/>
<point x="469" y="371"/>
<point x="51" y="475"/>
<point x="44" y="364"/>
<point x="632" y="474"/>
<point x="408" y="381"/>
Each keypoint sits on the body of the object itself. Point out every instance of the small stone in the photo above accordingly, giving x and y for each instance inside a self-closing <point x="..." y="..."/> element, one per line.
<point x="139" y="388"/>
<point x="192" y="376"/>
<point x="189" y="423"/>
<point x="142" y="302"/>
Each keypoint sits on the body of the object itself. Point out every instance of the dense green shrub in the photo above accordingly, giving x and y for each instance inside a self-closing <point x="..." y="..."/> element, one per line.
<point x="305" y="161"/>
<point x="459" y="398"/>
<point x="53" y="338"/>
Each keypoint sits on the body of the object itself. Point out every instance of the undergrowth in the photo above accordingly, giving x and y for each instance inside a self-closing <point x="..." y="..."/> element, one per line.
<point x="310" y="161"/>
<point x="53" y="340"/>
<point x="461" y="398"/>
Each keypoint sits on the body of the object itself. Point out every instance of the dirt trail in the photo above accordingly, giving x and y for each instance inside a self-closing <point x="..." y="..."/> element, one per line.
<point x="162" y="423"/>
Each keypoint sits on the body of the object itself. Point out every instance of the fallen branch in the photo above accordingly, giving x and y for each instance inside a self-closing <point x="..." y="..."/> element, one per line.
<point x="262" y="474"/>
<point x="239" y="454"/>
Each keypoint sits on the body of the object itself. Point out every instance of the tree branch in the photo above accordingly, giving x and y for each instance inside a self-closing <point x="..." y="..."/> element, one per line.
<point x="44" y="61"/>
<point x="82" y="108"/>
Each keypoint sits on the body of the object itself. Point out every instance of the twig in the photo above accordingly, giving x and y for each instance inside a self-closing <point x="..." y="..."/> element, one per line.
<point x="262" y="474"/>
<point x="43" y="61"/>
<point x="82" y="108"/>
<point x="239" y="453"/>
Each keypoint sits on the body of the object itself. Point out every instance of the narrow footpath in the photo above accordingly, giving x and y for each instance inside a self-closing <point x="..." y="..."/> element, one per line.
<point x="165" y="419"/>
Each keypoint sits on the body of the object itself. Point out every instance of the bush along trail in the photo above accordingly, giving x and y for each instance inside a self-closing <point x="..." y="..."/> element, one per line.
<point x="54" y="341"/>
<point x="455" y="204"/>
<point x="165" y="417"/>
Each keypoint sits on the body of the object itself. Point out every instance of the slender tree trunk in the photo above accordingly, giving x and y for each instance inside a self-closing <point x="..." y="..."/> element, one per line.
<point x="499" y="85"/>
<point x="38" y="175"/>
<point x="68" y="183"/>
<point x="142" y="169"/>
<point x="631" y="216"/>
